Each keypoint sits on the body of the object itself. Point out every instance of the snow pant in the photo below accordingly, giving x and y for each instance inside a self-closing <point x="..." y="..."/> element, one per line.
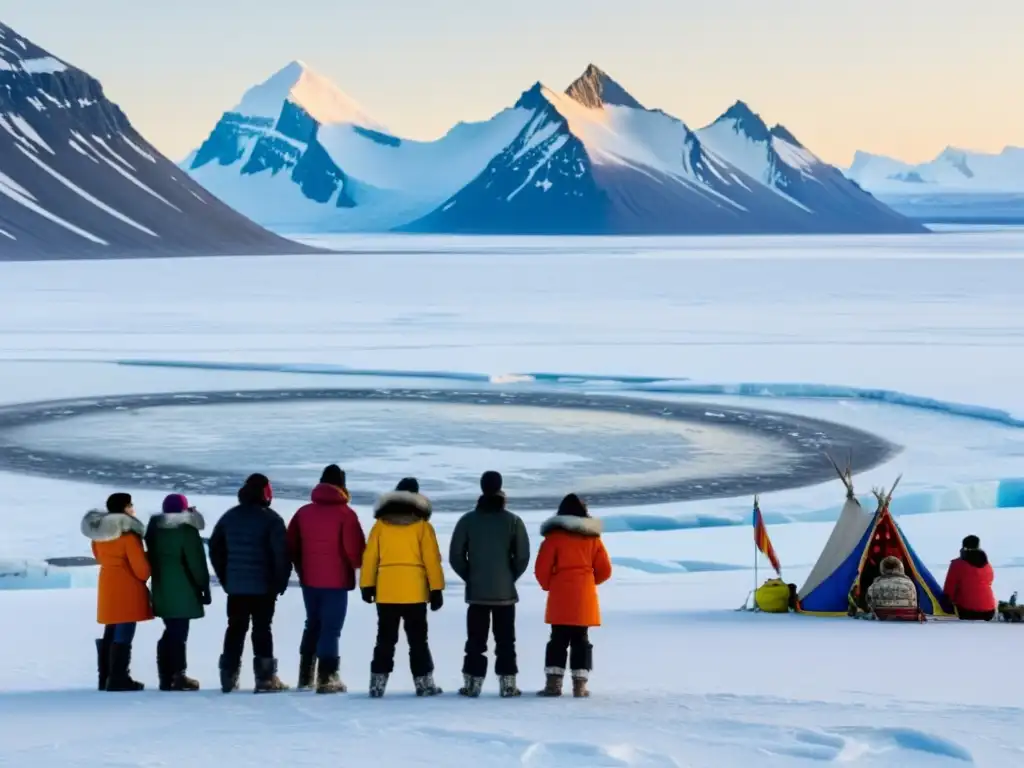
<point x="965" y="615"/>
<point x="479" y="621"/>
<point x="243" y="609"/>
<point x="569" y="644"/>
<point x="325" y="616"/>
<point x="414" y="617"/>
<point x="119" y="633"/>
<point x="175" y="631"/>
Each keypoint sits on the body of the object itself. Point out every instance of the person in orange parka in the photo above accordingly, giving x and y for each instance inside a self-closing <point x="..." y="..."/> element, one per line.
<point x="122" y="598"/>
<point x="571" y="563"/>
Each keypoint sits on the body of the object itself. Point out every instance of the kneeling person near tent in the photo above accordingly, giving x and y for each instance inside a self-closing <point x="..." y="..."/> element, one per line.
<point x="893" y="595"/>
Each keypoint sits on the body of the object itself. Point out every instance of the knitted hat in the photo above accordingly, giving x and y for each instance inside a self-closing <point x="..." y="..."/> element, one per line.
<point x="408" y="484"/>
<point x="117" y="503"/>
<point x="573" y="506"/>
<point x="334" y="475"/>
<point x="256" y="490"/>
<point x="175" y="503"/>
<point x="971" y="542"/>
<point x="490" y="483"/>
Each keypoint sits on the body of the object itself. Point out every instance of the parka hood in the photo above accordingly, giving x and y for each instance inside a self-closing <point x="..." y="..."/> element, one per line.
<point x="325" y="493"/>
<point x="191" y="518"/>
<point x="402" y="508"/>
<point x="582" y="526"/>
<point x="100" y="525"/>
<point x="891" y="566"/>
<point x="974" y="557"/>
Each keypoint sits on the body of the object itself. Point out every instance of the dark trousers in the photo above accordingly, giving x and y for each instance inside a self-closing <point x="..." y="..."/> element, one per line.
<point x="572" y="645"/>
<point x="325" y="616"/>
<point x="480" y="619"/>
<point x="414" y="617"/>
<point x="119" y="633"/>
<point x="243" y="609"/>
<point x="965" y="615"/>
<point x="175" y="631"/>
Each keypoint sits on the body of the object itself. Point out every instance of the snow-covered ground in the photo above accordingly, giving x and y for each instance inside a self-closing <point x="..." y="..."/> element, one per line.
<point x="917" y="339"/>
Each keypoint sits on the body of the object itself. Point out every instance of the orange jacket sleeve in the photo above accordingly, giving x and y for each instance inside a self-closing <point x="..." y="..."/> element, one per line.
<point x="602" y="564"/>
<point x="137" y="559"/>
<point x="544" y="566"/>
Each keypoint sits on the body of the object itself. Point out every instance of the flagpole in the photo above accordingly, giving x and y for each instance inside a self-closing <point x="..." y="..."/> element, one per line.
<point x="754" y="593"/>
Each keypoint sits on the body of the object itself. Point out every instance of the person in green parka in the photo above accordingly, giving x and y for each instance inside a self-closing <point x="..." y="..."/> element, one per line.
<point x="180" y="585"/>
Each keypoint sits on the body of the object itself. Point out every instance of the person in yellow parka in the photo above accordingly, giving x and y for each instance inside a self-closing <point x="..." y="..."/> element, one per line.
<point x="402" y="573"/>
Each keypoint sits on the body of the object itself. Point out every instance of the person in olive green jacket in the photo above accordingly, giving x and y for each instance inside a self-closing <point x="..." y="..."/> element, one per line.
<point x="181" y="585"/>
<point x="490" y="550"/>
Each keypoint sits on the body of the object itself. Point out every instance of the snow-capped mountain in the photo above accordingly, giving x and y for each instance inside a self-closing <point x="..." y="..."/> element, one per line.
<point x="298" y="154"/>
<point x="776" y="159"/>
<point x="77" y="180"/>
<point x="590" y="159"/>
<point x="953" y="170"/>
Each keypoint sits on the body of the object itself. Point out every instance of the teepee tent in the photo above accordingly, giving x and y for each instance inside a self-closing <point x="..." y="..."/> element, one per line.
<point x="850" y="560"/>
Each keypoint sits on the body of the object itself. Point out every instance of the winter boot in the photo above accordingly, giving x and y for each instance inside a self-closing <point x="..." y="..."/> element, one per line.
<point x="327" y="678"/>
<point x="378" y="684"/>
<point x="553" y="685"/>
<point x="425" y="685"/>
<point x="507" y="688"/>
<point x="267" y="681"/>
<point x="471" y="686"/>
<point x="307" y="671"/>
<point x="102" y="662"/>
<point x="229" y="669"/>
<point x="120" y="661"/>
<point x="579" y="683"/>
<point x="179" y="663"/>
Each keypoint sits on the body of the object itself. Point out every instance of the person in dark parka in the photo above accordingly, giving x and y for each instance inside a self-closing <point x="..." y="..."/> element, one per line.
<point x="490" y="550"/>
<point x="180" y="585"/>
<point x="249" y="554"/>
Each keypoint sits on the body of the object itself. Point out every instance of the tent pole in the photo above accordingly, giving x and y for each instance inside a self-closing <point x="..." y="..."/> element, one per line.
<point x="755" y="578"/>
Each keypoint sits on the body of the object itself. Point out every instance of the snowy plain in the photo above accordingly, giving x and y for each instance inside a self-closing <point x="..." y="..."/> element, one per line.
<point x="917" y="339"/>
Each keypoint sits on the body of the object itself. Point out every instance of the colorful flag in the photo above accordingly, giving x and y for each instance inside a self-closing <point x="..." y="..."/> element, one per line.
<point x="761" y="540"/>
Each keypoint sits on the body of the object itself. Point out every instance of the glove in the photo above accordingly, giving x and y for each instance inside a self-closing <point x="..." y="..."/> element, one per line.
<point x="206" y="597"/>
<point x="436" y="600"/>
<point x="369" y="594"/>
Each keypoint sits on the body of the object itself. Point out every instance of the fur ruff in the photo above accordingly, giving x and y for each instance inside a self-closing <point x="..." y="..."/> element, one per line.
<point x="583" y="526"/>
<point x="178" y="519"/>
<point x="104" y="526"/>
<point x="402" y="507"/>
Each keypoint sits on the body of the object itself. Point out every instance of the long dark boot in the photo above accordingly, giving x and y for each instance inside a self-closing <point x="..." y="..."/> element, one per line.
<point x="120" y="678"/>
<point x="328" y="679"/>
<point x="229" y="669"/>
<point x="267" y="681"/>
<point x="164" y="666"/>
<point x="307" y="671"/>
<point x="102" y="663"/>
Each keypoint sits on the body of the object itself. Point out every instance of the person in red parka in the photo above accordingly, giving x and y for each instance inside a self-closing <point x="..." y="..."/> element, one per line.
<point x="969" y="583"/>
<point x="570" y="565"/>
<point x="325" y="543"/>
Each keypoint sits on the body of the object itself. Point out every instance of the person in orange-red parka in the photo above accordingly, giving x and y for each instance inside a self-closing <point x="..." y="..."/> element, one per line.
<point x="571" y="563"/>
<point x="969" y="583"/>
<point x="123" y="598"/>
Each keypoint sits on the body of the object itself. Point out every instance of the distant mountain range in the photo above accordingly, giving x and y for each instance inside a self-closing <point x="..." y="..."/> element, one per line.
<point x="958" y="186"/>
<point x="297" y="154"/>
<point x="77" y="180"/>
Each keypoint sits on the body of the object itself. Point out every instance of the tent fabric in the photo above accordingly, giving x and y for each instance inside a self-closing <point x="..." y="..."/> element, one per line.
<point x="841" y="564"/>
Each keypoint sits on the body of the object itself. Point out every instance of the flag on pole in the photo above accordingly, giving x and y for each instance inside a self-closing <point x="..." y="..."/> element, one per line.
<point x="761" y="540"/>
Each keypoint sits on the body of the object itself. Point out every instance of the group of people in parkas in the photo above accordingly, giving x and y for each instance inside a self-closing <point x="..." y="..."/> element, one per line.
<point x="253" y="555"/>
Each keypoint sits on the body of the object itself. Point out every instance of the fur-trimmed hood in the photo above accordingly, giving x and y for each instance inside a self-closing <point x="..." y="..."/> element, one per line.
<point x="191" y="518"/>
<point x="582" y="526"/>
<point x="402" y="508"/>
<point x="891" y="567"/>
<point x="100" y="525"/>
<point x="976" y="558"/>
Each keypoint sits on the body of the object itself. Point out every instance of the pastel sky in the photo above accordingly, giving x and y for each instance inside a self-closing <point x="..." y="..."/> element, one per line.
<point x="899" y="77"/>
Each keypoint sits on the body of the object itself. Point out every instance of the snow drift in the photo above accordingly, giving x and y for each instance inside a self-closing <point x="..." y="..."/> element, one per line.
<point x="590" y="160"/>
<point x="77" y="180"/>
